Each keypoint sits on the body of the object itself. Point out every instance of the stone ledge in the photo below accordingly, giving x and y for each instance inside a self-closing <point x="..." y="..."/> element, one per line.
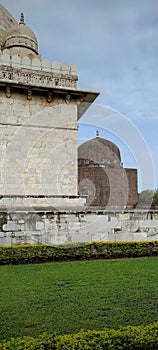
<point x="41" y="202"/>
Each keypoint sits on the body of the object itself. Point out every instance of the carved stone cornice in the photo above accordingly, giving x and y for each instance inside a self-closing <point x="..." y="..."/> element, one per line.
<point x="37" y="78"/>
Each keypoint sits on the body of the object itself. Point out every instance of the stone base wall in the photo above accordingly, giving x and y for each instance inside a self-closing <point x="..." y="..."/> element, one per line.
<point x="47" y="227"/>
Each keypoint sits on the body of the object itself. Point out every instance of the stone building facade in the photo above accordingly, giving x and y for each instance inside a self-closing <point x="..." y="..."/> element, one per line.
<point x="102" y="178"/>
<point x="40" y="105"/>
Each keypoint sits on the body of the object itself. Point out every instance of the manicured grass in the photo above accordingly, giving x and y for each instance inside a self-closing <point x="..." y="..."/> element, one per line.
<point x="66" y="297"/>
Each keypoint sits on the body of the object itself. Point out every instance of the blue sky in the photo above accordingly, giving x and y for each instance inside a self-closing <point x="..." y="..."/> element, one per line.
<point x="115" y="46"/>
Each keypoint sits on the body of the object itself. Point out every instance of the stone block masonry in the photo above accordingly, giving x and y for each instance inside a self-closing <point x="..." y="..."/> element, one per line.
<point x="41" y="227"/>
<point x="38" y="145"/>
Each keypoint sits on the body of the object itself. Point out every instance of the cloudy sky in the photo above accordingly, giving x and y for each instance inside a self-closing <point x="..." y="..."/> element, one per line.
<point x="115" y="46"/>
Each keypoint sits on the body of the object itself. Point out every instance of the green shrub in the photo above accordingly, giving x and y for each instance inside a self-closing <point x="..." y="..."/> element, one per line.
<point x="127" y="338"/>
<point x="27" y="254"/>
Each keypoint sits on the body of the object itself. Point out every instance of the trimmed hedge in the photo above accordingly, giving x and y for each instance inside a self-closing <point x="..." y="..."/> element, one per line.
<point x="28" y="254"/>
<point x="127" y="338"/>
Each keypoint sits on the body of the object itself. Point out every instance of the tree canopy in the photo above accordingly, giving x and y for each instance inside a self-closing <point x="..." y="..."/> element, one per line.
<point x="148" y="196"/>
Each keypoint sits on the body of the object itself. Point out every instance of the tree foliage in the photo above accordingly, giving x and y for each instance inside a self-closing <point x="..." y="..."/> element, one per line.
<point x="155" y="197"/>
<point x="149" y="196"/>
<point x="146" y="196"/>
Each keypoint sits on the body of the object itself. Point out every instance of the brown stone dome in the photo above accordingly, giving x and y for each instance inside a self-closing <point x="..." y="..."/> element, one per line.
<point x="101" y="152"/>
<point x="21" y="36"/>
<point x="6" y="22"/>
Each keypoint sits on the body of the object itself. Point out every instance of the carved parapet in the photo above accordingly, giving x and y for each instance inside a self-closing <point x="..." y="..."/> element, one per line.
<point x="36" y="64"/>
<point x="16" y="69"/>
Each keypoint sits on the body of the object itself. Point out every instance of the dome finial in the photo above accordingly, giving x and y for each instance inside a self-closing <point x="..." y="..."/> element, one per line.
<point x="97" y="133"/>
<point x="22" y="19"/>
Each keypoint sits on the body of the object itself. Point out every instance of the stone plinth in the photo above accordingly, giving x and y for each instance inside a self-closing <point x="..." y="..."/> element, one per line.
<point x="56" y="227"/>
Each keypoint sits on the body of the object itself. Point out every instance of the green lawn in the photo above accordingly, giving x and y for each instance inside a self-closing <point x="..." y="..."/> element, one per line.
<point x="66" y="297"/>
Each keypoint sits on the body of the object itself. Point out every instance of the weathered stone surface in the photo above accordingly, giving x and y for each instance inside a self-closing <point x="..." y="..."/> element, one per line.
<point x="39" y="225"/>
<point x="11" y="226"/>
<point x="60" y="227"/>
<point x="5" y="239"/>
<point x="38" y="146"/>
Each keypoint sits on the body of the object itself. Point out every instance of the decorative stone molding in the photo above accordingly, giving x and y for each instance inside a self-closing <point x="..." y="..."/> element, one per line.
<point x="49" y="80"/>
<point x="29" y="94"/>
<point x="68" y="97"/>
<point x="8" y="91"/>
<point x="49" y="97"/>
